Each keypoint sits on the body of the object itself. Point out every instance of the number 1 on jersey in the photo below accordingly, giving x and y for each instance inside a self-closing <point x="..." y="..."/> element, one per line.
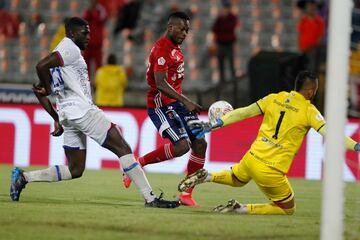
<point x="275" y="136"/>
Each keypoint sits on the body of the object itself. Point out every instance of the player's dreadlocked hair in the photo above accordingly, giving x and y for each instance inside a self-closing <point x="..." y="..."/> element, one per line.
<point x="73" y="23"/>
<point x="303" y="78"/>
<point x="181" y="15"/>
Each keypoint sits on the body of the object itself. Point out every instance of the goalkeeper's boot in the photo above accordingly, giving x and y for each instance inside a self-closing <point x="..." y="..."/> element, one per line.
<point x="18" y="182"/>
<point x="187" y="200"/>
<point x="193" y="179"/>
<point x="126" y="180"/>
<point x="231" y="206"/>
<point x="161" y="203"/>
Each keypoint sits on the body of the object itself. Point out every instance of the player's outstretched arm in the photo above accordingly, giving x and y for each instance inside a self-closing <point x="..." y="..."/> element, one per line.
<point x="43" y="70"/>
<point x="350" y="143"/>
<point x="240" y="114"/>
<point x="200" y="128"/>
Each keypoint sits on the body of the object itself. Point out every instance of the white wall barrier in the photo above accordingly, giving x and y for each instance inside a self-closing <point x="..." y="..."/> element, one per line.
<point x="25" y="140"/>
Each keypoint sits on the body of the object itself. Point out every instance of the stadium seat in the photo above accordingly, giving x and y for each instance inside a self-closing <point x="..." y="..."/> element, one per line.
<point x="263" y="25"/>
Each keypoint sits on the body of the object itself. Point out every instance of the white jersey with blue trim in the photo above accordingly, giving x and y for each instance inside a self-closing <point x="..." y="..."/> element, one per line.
<point x="70" y="82"/>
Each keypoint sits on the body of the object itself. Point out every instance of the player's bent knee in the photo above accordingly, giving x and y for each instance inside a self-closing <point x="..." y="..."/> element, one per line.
<point x="235" y="180"/>
<point x="288" y="207"/>
<point x="116" y="143"/>
<point x="237" y="183"/>
<point x="200" y="145"/>
<point x="181" y="148"/>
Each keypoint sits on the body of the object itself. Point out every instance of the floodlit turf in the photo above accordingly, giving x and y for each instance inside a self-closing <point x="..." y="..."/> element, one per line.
<point x="98" y="207"/>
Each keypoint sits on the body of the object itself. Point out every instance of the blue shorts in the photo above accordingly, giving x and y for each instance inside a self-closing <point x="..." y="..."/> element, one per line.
<point x="171" y="121"/>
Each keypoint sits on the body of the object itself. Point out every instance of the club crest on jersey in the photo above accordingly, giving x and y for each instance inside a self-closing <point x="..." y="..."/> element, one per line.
<point x="161" y="61"/>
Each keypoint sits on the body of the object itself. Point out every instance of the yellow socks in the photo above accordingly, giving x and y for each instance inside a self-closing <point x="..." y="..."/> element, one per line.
<point x="225" y="177"/>
<point x="268" y="209"/>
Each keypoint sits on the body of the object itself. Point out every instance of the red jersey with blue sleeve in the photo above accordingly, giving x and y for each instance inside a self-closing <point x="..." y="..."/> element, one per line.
<point x="167" y="57"/>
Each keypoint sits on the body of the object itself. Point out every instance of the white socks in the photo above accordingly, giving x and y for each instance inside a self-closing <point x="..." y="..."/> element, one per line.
<point x="61" y="172"/>
<point x="132" y="168"/>
<point x="51" y="174"/>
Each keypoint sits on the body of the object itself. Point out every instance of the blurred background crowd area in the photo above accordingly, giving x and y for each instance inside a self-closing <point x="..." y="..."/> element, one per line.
<point x="267" y="50"/>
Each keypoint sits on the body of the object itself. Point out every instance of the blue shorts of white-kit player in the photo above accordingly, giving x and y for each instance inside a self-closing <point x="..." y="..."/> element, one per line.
<point x="93" y="124"/>
<point x="171" y="121"/>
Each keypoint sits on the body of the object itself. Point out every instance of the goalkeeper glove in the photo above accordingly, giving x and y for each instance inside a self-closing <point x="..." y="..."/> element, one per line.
<point x="200" y="128"/>
<point x="357" y="147"/>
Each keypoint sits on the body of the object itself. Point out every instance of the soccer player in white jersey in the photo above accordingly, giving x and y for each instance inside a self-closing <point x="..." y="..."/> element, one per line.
<point x="63" y="73"/>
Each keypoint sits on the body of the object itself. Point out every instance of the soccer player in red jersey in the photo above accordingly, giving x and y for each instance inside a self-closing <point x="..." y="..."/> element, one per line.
<point x="168" y="108"/>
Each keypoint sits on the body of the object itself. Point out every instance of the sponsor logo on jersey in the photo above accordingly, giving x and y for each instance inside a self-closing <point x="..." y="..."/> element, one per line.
<point x="266" y="140"/>
<point x="187" y="118"/>
<point x="180" y="71"/>
<point x="181" y="68"/>
<point x="287" y="106"/>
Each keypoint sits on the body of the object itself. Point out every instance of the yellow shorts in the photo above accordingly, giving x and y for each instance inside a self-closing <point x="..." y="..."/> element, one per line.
<point x="273" y="183"/>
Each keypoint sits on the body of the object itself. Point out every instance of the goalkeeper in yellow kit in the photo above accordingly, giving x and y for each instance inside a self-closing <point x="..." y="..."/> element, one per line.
<point x="288" y="116"/>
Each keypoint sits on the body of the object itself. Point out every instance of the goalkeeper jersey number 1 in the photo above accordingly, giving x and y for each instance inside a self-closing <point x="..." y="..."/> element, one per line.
<point x="288" y="116"/>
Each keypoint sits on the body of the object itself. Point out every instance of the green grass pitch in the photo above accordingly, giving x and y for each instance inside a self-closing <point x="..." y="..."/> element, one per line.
<point x="97" y="206"/>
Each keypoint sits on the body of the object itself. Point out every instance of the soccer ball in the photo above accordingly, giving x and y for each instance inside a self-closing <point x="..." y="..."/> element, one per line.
<point x="218" y="109"/>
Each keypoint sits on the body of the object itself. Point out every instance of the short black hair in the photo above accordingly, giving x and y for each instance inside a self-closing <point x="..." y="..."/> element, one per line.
<point x="112" y="59"/>
<point x="73" y="23"/>
<point x="304" y="77"/>
<point x="181" y="15"/>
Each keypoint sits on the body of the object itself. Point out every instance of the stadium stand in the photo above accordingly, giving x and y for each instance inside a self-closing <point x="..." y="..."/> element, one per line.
<point x="264" y="25"/>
